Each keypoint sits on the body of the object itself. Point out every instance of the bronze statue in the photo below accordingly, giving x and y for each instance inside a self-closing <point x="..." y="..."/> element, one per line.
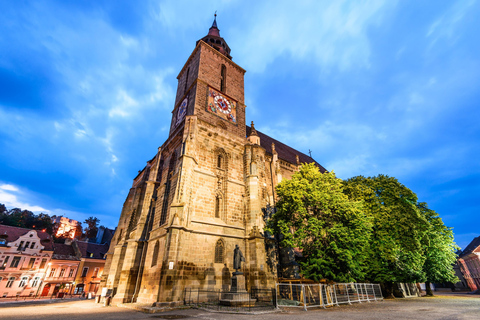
<point x="237" y="258"/>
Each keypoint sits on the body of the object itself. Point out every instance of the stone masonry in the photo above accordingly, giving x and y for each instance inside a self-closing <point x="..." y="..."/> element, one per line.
<point x="203" y="192"/>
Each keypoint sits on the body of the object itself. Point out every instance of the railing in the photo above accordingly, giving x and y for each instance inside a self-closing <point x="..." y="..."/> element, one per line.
<point x="321" y="295"/>
<point x="255" y="300"/>
<point x="408" y="290"/>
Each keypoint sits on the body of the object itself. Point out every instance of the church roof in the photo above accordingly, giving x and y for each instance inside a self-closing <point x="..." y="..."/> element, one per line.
<point x="285" y="152"/>
<point x="92" y="250"/>
<point x="473" y="246"/>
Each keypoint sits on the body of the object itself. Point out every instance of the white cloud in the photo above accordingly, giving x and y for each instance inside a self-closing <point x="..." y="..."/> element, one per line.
<point x="13" y="197"/>
<point x="333" y="34"/>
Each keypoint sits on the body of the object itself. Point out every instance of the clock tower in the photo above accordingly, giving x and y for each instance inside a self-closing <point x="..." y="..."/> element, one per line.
<point x="207" y="190"/>
<point x="211" y="86"/>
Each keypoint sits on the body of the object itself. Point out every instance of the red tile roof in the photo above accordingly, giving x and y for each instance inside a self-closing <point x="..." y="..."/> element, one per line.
<point x="11" y="234"/>
<point x="87" y="248"/>
<point x="285" y="152"/>
<point x="63" y="251"/>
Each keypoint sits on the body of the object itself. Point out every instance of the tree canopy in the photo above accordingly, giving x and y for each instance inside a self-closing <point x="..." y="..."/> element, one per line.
<point x="315" y="216"/>
<point x="362" y="229"/>
<point x="92" y="227"/>
<point x="396" y="252"/>
<point x="25" y="219"/>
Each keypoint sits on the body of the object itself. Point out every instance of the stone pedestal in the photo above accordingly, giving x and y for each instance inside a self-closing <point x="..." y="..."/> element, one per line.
<point x="238" y="296"/>
<point x="238" y="282"/>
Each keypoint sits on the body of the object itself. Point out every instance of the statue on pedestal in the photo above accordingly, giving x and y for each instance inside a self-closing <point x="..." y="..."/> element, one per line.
<point x="237" y="258"/>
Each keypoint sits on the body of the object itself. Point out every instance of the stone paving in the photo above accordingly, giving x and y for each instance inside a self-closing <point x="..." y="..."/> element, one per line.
<point x="446" y="306"/>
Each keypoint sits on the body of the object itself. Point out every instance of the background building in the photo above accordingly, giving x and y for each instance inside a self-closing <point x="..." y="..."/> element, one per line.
<point x="469" y="262"/>
<point x="24" y="258"/>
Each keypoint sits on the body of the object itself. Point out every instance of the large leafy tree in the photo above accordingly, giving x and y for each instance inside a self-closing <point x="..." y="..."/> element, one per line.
<point x="439" y="249"/>
<point x="396" y="252"/>
<point x="315" y="216"/>
<point x="92" y="227"/>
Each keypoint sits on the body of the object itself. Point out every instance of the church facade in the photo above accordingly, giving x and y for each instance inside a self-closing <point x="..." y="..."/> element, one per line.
<point x="203" y="193"/>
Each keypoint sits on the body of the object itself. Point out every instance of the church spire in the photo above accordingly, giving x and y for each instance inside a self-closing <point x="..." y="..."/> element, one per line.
<point x="214" y="40"/>
<point x="214" y="31"/>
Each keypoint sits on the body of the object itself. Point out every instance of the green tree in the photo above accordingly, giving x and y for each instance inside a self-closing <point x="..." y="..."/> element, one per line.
<point x="439" y="249"/>
<point x="315" y="216"/>
<point x="92" y="227"/>
<point x="396" y="253"/>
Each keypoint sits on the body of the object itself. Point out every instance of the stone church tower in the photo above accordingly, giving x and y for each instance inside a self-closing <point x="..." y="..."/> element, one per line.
<point x="204" y="191"/>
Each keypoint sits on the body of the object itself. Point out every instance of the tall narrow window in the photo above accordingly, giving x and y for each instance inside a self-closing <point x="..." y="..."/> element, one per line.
<point x="35" y="281"/>
<point x="52" y="272"/>
<point x="220" y="161"/>
<point x="15" y="262"/>
<point x="31" y="263"/>
<point x="217" y="207"/>
<point x="10" y="282"/>
<point x="84" y="272"/>
<point x="155" y="254"/>
<point x="42" y="264"/>
<point x="186" y="81"/>
<point x="219" y="249"/>
<point x="62" y="273"/>
<point x="223" y="78"/>
<point x="23" y="282"/>
<point x="171" y="167"/>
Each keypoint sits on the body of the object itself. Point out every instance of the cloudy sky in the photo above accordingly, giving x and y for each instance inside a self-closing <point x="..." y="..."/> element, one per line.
<point x="370" y="87"/>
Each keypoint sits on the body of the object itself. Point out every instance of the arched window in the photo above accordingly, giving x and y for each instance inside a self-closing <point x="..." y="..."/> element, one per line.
<point x="217" y="207"/>
<point x="219" y="249"/>
<point x="155" y="254"/>
<point x="219" y="161"/>
<point x="223" y="78"/>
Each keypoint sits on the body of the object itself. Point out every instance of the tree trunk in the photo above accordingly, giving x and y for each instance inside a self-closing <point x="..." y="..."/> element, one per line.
<point x="428" y="290"/>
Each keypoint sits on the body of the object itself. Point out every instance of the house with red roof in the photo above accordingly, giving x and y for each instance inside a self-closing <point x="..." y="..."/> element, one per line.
<point x="25" y="255"/>
<point x="469" y="261"/>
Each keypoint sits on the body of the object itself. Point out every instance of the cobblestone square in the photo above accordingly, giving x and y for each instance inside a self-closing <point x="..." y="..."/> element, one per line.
<point x="439" y="307"/>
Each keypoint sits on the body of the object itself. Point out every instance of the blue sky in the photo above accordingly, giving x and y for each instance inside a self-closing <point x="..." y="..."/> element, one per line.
<point x="370" y="87"/>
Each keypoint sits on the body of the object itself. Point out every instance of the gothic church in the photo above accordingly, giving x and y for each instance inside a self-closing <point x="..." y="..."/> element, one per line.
<point x="204" y="191"/>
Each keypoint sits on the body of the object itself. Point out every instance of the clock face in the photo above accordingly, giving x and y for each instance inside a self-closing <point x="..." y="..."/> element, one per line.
<point x="222" y="104"/>
<point x="182" y="110"/>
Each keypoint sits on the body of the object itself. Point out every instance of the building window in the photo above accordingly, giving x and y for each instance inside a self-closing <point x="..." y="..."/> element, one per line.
<point x="42" y="264"/>
<point x="155" y="254"/>
<point x="78" y="289"/>
<point x="23" y="282"/>
<point x="220" y="161"/>
<point x="95" y="272"/>
<point x="186" y="81"/>
<point x="217" y="207"/>
<point x="26" y="245"/>
<point x="223" y="78"/>
<point x="4" y="265"/>
<point x="70" y="274"/>
<point x="219" y="249"/>
<point x="35" y="281"/>
<point x="3" y="241"/>
<point x="10" y="282"/>
<point x="62" y="272"/>
<point x="20" y="246"/>
<point x="166" y="194"/>
<point x="84" y="272"/>
<point x="52" y="272"/>
<point x="15" y="262"/>
<point x="31" y="263"/>
<point x="32" y="245"/>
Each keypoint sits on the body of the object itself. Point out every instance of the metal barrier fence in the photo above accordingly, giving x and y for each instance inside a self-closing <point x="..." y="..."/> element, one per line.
<point x="255" y="300"/>
<point x="408" y="290"/>
<point x="321" y="295"/>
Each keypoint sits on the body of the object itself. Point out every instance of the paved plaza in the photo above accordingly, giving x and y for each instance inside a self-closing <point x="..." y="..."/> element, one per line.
<point x="439" y="307"/>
